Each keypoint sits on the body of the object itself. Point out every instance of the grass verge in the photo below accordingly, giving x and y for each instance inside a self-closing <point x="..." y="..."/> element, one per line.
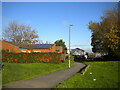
<point x="18" y="71"/>
<point x="98" y="75"/>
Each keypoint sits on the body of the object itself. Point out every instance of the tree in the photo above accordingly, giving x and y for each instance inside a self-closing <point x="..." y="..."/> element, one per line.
<point x="106" y="33"/>
<point x="19" y="33"/>
<point x="61" y="43"/>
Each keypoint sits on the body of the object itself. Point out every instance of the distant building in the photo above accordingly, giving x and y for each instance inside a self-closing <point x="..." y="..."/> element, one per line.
<point x="77" y="51"/>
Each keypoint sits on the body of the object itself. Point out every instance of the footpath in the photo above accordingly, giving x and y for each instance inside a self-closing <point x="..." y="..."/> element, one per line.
<point x="47" y="81"/>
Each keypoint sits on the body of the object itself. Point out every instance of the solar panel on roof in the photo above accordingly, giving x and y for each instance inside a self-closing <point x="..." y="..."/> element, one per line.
<point x="43" y="45"/>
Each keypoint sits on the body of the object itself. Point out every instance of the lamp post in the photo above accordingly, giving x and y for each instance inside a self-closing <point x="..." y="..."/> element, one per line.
<point x="69" y="45"/>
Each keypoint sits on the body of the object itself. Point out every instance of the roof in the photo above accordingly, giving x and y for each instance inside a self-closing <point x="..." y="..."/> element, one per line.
<point x="32" y="46"/>
<point x="78" y="49"/>
<point x="37" y="46"/>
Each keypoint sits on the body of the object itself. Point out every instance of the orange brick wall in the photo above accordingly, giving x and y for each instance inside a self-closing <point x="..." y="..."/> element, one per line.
<point x="40" y="50"/>
<point x="60" y="49"/>
<point x="53" y="48"/>
<point x="24" y="50"/>
<point x="9" y="47"/>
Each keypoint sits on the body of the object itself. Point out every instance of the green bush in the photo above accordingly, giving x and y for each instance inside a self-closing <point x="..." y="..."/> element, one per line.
<point x="31" y="57"/>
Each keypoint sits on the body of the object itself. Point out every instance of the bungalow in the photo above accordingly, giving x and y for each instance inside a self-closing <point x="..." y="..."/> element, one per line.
<point x="28" y="48"/>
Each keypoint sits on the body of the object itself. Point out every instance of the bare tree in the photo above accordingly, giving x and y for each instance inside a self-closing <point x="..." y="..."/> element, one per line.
<point x="19" y="33"/>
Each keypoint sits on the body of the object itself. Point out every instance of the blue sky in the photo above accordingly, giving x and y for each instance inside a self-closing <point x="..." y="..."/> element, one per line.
<point x="51" y="19"/>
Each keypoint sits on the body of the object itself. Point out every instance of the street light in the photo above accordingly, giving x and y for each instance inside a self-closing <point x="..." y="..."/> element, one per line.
<point x="69" y="46"/>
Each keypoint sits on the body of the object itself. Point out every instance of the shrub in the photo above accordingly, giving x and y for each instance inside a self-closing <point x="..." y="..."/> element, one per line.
<point x="31" y="57"/>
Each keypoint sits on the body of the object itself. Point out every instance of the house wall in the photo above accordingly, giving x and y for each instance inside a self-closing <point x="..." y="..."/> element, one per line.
<point x="38" y="50"/>
<point x="53" y="48"/>
<point x="60" y="49"/>
<point x="35" y="50"/>
<point x="9" y="47"/>
<point x="25" y="50"/>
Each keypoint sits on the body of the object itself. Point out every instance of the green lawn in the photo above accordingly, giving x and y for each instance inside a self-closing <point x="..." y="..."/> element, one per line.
<point x="0" y="78"/>
<point x="19" y="71"/>
<point x="105" y="73"/>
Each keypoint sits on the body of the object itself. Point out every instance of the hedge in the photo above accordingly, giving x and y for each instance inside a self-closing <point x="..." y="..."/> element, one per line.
<point x="31" y="57"/>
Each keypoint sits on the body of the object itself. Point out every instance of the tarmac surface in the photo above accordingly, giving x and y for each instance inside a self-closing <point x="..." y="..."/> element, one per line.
<point x="47" y="81"/>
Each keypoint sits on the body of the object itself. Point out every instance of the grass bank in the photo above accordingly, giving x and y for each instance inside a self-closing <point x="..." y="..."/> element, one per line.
<point x="98" y="75"/>
<point x="19" y="71"/>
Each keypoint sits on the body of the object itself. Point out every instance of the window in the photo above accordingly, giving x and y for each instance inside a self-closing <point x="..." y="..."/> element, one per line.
<point x="23" y="51"/>
<point x="36" y="51"/>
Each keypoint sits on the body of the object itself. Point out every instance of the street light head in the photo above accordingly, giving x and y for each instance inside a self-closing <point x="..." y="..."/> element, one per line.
<point x="71" y="25"/>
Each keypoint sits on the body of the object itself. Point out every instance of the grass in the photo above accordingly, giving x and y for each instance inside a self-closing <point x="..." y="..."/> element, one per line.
<point x="0" y="79"/>
<point x="105" y="73"/>
<point x="0" y="70"/>
<point x="18" y="71"/>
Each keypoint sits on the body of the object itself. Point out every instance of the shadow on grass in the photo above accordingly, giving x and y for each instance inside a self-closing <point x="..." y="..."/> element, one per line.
<point x="100" y="59"/>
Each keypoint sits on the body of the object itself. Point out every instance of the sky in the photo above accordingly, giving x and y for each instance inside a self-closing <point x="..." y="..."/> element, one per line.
<point x="51" y="19"/>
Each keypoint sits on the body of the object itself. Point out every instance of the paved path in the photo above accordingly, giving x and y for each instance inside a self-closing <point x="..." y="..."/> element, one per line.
<point x="49" y="80"/>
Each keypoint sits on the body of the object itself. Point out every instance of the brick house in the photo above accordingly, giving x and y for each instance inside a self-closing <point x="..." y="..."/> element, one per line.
<point x="59" y="49"/>
<point x="28" y="48"/>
